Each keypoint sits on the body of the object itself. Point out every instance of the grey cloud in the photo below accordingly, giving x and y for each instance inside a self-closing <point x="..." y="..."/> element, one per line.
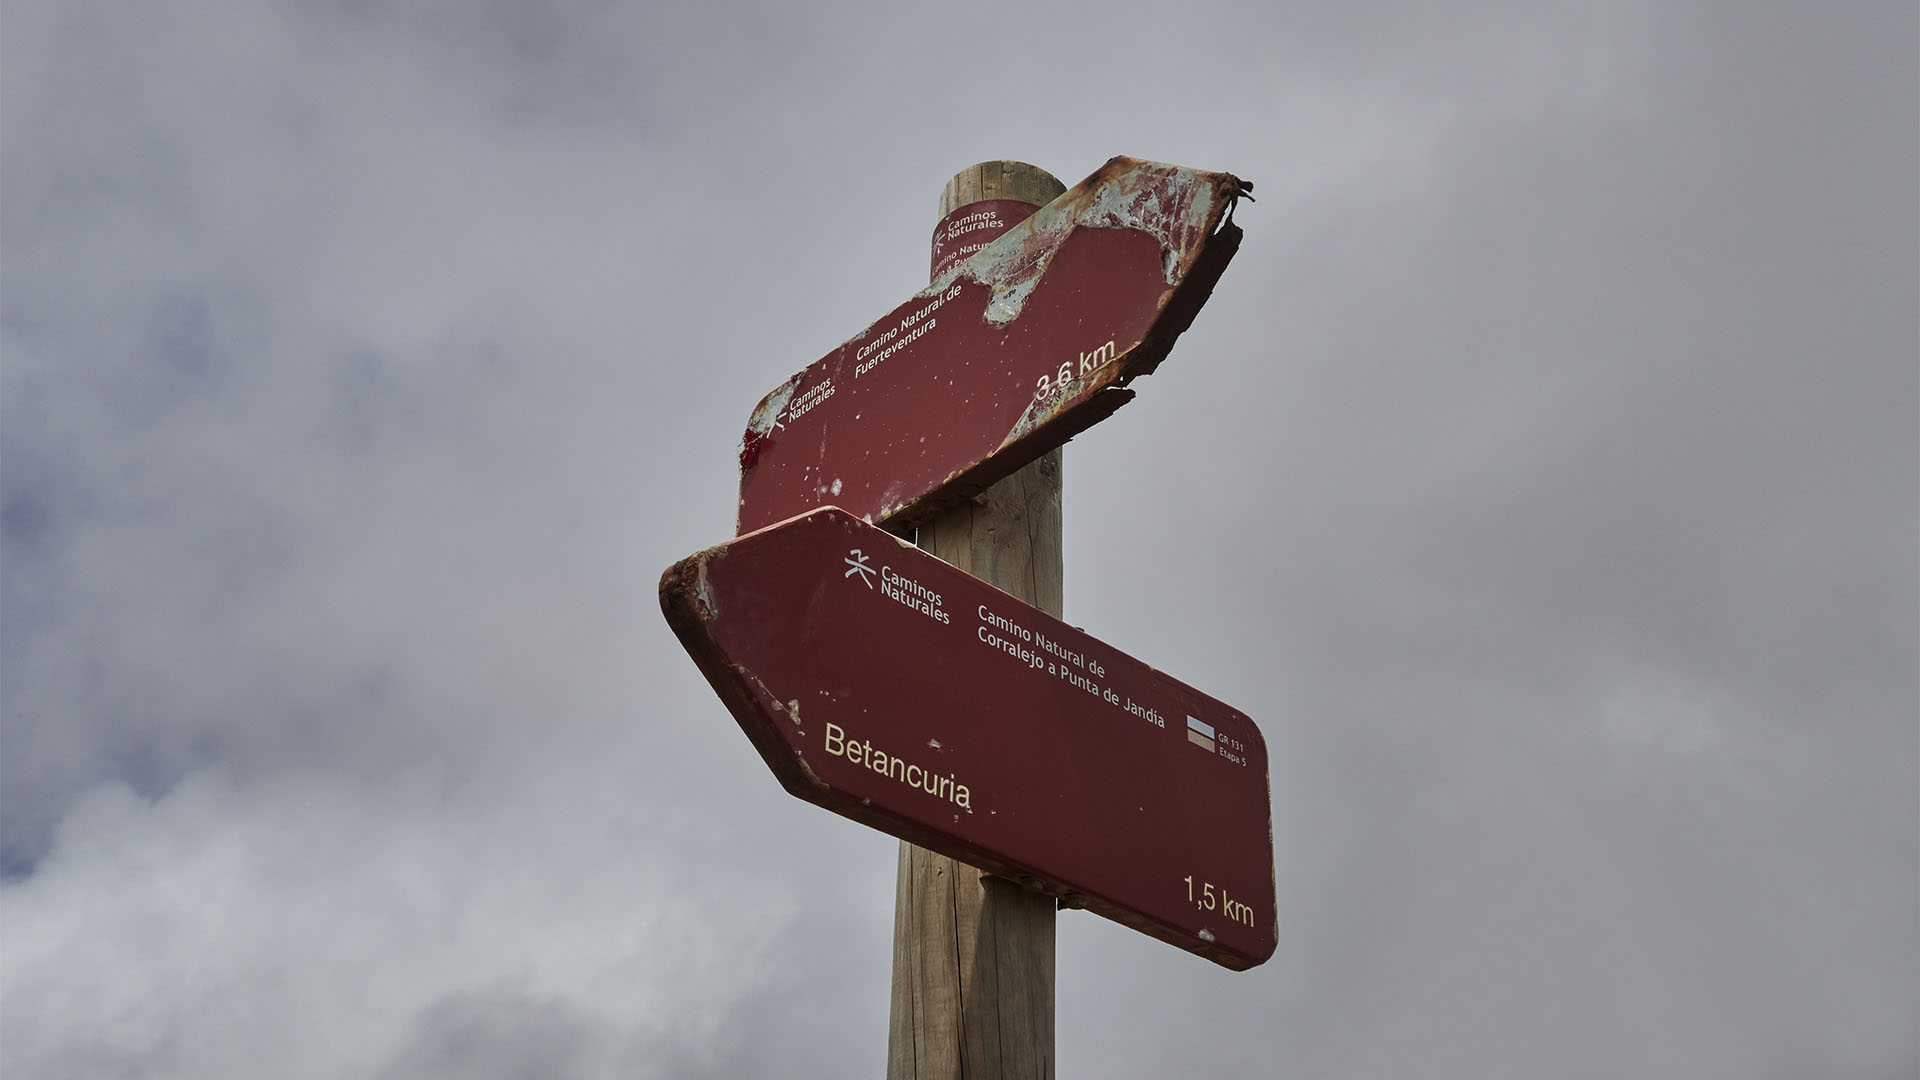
<point x="1541" y="477"/>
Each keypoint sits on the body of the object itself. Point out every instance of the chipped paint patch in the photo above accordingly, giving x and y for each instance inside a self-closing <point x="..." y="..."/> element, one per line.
<point x="766" y="419"/>
<point x="703" y="595"/>
<point x="932" y="403"/>
<point x="1178" y="207"/>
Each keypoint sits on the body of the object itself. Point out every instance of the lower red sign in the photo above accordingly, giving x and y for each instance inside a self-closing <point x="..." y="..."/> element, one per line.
<point x="891" y="688"/>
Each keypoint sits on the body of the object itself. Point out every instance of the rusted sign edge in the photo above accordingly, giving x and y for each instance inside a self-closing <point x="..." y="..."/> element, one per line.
<point x="690" y="611"/>
<point x="1090" y="401"/>
<point x="1198" y="239"/>
<point x="1125" y="193"/>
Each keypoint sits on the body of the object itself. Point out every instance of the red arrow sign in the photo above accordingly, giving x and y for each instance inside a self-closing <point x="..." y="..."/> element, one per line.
<point x="1005" y="356"/>
<point x="891" y="688"/>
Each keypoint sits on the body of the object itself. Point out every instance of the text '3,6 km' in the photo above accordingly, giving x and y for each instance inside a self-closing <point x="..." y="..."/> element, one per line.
<point x="991" y="365"/>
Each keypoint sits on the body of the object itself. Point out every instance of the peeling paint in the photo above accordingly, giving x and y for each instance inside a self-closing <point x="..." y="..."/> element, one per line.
<point x="766" y="418"/>
<point x="1163" y="201"/>
<point x="703" y="595"/>
<point x="969" y="379"/>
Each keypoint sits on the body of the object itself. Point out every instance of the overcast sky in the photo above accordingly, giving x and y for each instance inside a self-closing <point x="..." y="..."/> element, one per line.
<point x="1543" y="477"/>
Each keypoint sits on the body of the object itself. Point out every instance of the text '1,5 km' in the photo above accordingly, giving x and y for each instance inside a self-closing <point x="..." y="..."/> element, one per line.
<point x="889" y="687"/>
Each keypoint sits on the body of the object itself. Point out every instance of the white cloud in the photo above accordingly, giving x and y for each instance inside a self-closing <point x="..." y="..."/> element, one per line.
<point x="314" y="925"/>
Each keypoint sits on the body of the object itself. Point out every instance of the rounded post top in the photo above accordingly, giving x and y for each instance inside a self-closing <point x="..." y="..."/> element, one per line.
<point x="1000" y="180"/>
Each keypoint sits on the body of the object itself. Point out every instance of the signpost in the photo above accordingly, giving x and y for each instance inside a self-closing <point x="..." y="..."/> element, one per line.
<point x="1007" y="354"/>
<point x="1020" y="760"/>
<point x="882" y="684"/>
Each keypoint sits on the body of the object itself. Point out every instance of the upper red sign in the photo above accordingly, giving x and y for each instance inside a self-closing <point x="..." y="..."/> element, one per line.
<point x="889" y="687"/>
<point x="1008" y="354"/>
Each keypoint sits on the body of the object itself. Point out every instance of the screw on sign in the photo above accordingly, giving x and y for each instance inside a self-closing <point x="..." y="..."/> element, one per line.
<point x="1009" y="353"/>
<point x="889" y="687"/>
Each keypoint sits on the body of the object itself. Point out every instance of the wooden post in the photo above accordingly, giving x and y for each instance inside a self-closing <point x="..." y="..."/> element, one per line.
<point x="972" y="954"/>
